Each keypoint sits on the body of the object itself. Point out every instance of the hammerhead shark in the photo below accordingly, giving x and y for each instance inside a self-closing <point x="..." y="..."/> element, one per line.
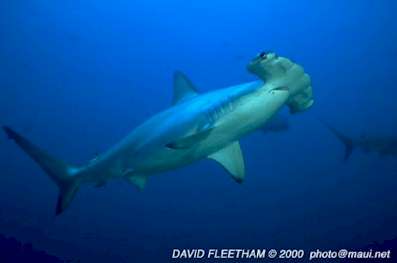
<point x="382" y="145"/>
<point x="196" y="126"/>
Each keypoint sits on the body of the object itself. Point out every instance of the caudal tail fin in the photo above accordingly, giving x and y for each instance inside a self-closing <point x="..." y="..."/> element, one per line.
<point x="64" y="176"/>
<point x="347" y="142"/>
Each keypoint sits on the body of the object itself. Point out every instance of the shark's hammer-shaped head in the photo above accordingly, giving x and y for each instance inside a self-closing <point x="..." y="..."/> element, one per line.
<point x="282" y="73"/>
<point x="265" y="65"/>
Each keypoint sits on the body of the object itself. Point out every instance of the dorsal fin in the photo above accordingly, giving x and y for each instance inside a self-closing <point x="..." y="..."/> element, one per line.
<point x="231" y="158"/>
<point x="183" y="88"/>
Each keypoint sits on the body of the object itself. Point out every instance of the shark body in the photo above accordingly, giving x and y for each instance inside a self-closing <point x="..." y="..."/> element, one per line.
<point x="197" y="126"/>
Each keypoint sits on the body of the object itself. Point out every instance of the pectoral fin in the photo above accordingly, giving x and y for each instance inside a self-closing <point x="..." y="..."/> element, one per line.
<point x="138" y="180"/>
<point x="189" y="141"/>
<point x="231" y="158"/>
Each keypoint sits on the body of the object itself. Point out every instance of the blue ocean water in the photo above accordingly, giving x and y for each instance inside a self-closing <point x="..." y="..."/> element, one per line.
<point x="78" y="76"/>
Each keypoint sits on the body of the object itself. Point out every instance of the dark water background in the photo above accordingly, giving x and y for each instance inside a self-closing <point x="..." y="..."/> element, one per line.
<point x="77" y="76"/>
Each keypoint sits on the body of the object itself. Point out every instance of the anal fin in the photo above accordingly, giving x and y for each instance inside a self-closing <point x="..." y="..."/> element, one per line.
<point x="189" y="141"/>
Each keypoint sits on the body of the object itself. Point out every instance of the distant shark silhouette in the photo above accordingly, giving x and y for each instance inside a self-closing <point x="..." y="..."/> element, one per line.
<point x="381" y="145"/>
<point x="197" y="126"/>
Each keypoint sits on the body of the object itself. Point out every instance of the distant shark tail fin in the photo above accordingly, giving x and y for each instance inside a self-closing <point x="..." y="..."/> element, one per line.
<point x="347" y="142"/>
<point x="64" y="176"/>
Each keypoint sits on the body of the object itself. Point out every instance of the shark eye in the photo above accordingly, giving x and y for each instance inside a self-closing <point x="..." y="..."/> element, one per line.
<point x="263" y="55"/>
